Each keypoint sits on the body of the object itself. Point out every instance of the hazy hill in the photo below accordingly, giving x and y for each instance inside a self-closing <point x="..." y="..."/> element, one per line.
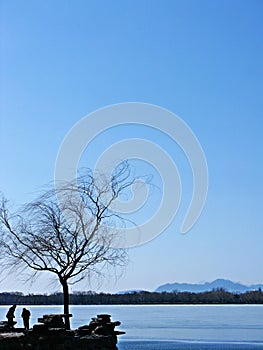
<point x="233" y="287"/>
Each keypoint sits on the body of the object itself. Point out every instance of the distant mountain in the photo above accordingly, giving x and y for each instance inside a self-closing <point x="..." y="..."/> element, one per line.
<point x="233" y="287"/>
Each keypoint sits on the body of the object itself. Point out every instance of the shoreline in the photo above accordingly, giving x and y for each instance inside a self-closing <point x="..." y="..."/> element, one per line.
<point x="214" y="297"/>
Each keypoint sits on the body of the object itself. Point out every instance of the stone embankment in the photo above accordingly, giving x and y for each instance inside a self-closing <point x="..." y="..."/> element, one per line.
<point x="50" y="334"/>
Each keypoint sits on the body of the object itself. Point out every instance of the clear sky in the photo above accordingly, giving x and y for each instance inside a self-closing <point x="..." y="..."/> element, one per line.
<point x="202" y="60"/>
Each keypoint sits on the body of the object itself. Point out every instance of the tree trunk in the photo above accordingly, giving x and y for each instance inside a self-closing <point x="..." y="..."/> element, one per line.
<point x="66" y="302"/>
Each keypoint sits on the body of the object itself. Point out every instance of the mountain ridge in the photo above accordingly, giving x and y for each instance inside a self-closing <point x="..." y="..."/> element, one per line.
<point x="230" y="286"/>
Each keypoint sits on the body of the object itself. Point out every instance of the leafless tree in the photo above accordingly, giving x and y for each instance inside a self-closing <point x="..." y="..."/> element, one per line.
<point x="72" y="239"/>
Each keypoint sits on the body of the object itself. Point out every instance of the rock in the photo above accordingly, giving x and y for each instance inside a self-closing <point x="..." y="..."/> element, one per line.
<point x="53" y="321"/>
<point x="4" y="325"/>
<point x="84" y="330"/>
<point x="40" y="328"/>
<point x="50" y="333"/>
<point x="102" y="325"/>
<point x="34" y="341"/>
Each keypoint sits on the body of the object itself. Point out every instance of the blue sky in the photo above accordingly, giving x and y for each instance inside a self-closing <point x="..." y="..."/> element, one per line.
<point x="61" y="60"/>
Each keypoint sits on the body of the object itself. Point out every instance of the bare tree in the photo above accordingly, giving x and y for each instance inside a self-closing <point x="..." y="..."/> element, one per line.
<point x="72" y="239"/>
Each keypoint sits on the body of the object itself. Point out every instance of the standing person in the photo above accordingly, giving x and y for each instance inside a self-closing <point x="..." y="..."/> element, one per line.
<point x="10" y="316"/>
<point x="26" y="315"/>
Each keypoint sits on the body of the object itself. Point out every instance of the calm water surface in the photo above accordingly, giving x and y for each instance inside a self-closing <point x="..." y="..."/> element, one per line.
<point x="172" y="327"/>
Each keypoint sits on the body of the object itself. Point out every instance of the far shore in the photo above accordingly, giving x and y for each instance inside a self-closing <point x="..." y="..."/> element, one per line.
<point x="218" y="296"/>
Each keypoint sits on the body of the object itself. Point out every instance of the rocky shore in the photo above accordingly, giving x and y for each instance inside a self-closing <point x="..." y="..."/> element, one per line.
<point x="50" y="334"/>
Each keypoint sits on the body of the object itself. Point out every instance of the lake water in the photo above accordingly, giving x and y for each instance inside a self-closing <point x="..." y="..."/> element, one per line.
<point x="171" y="327"/>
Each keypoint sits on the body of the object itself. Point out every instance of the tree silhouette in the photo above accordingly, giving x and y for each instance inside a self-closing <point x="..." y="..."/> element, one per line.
<point x="73" y="239"/>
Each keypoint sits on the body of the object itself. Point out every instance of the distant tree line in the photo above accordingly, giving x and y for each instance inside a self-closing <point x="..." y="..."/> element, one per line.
<point x="218" y="296"/>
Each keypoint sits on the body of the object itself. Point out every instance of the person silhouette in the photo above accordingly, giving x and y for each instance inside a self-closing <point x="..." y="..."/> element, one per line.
<point x="10" y="316"/>
<point x="26" y="315"/>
